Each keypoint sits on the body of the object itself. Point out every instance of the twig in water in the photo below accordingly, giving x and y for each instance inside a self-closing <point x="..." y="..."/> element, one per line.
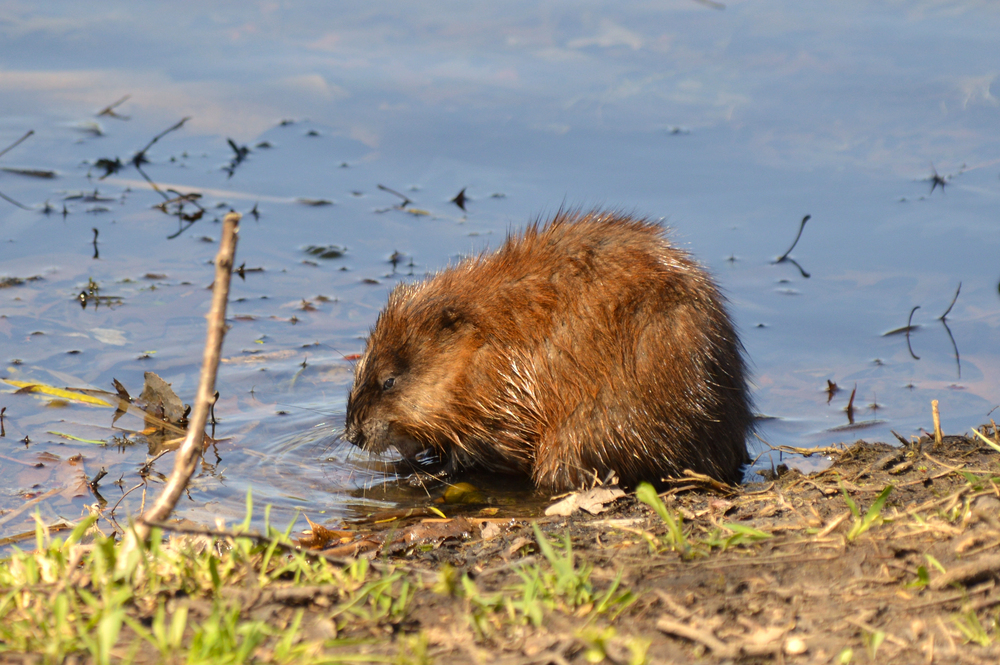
<point x="28" y="504"/>
<point x="831" y="390"/>
<point x="140" y="157"/>
<point x="796" y="241"/>
<point x="909" y="326"/>
<point x="850" y="405"/>
<point x="944" y="321"/>
<point x="109" y="110"/>
<point x="146" y="468"/>
<point x="406" y="200"/>
<point x="186" y="458"/>
<point x="5" y="151"/>
<point x="953" y="300"/>
<point x="16" y="143"/>
<point x="954" y="346"/>
<point x="241" y="153"/>
<point x="151" y="183"/>
<point x="936" y="180"/>
<point x="125" y="494"/>
<point x="10" y="200"/>
<point x="211" y="411"/>
<point x="97" y="479"/>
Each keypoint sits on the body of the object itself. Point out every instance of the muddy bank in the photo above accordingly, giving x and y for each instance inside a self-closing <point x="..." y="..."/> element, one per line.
<point x="804" y="568"/>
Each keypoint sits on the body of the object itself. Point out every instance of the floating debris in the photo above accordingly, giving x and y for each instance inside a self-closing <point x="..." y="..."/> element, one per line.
<point x="325" y="251"/>
<point x="31" y="173"/>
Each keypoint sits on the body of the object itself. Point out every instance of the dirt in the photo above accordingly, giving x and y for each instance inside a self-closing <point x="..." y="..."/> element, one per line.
<point x="919" y="585"/>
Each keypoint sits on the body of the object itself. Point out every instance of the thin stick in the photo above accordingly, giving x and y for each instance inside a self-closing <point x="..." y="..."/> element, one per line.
<point x="938" y="437"/>
<point x="151" y="183"/>
<point x="109" y="110"/>
<point x="10" y="200"/>
<point x="954" y="346"/>
<point x="947" y="311"/>
<point x="406" y="199"/>
<point x="909" y="326"/>
<point x="28" y="504"/>
<point x="16" y="143"/>
<point x="186" y="458"/>
<point x="801" y="227"/>
<point x="139" y="156"/>
<point x="705" y="637"/>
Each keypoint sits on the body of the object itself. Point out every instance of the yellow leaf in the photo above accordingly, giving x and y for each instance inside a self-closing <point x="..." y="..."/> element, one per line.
<point x="76" y="438"/>
<point x="56" y="392"/>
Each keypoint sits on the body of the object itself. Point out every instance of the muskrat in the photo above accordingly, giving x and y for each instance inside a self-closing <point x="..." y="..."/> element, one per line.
<point x="584" y="346"/>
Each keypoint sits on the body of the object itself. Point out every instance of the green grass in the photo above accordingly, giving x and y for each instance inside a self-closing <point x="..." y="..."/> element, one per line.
<point x="66" y="598"/>
<point x="682" y="542"/>
<point x="872" y="517"/>
<point x="562" y="586"/>
<point x="674" y="539"/>
<point x="184" y="600"/>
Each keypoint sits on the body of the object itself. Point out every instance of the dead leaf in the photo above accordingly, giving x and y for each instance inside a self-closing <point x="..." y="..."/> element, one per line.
<point x="320" y="537"/>
<point x="160" y="399"/>
<point x="592" y="501"/>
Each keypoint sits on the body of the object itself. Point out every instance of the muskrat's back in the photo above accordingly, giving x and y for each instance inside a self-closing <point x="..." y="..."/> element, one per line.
<point x="583" y="346"/>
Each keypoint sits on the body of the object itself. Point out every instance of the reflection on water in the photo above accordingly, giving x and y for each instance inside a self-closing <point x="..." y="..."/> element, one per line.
<point x="318" y="122"/>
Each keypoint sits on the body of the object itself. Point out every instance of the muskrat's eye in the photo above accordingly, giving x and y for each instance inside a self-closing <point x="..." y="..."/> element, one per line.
<point x="388" y="383"/>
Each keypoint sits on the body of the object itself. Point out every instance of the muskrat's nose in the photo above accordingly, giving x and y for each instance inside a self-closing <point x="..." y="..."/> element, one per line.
<point x="354" y="435"/>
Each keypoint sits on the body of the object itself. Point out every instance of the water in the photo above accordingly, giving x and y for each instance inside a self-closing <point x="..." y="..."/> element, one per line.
<point x="731" y="125"/>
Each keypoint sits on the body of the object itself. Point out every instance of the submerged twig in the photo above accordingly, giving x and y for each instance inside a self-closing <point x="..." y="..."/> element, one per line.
<point x="944" y="321"/>
<point x="954" y="346"/>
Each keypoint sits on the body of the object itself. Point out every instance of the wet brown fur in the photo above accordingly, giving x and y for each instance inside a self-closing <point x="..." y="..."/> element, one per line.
<point x="586" y="345"/>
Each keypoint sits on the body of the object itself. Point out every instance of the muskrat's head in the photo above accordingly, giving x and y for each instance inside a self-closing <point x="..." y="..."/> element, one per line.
<point x="408" y="382"/>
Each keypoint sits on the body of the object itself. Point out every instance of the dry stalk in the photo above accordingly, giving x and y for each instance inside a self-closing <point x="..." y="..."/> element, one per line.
<point x="936" y="415"/>
<point x="186" y="458"/>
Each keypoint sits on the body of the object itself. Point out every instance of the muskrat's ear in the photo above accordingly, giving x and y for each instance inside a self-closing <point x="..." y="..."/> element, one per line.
<point x="454" y="318"/>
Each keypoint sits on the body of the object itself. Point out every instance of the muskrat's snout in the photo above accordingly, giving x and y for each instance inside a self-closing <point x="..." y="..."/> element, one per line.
<point x="376" y="436"/>
<point x="354" y="435"/>
<point x="362" y="430"/>
<point x="354" y="429"/>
